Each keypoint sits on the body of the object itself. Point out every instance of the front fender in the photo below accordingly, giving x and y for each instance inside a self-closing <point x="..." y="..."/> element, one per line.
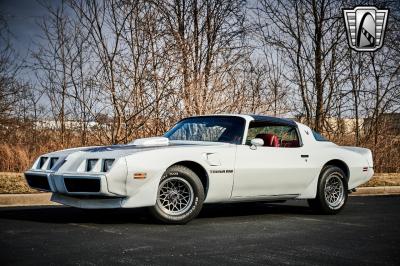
<point x="143" y="192"/>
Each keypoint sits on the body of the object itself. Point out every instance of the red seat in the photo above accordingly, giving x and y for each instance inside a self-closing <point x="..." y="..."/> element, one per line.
<point x="290" y="143"/>
<point x="270" y="140"/>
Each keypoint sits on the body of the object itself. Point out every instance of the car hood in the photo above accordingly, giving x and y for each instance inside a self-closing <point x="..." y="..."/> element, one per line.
<point x="71" y="160"/>
<point x="139" y="145"/>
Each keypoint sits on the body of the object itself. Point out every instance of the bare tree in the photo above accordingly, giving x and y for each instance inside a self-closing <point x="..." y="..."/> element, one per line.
<point x="9" y="68"/>
<point x="207" y="40"/>
<point x="308" y="36"/>
<point x="52" y="62"/>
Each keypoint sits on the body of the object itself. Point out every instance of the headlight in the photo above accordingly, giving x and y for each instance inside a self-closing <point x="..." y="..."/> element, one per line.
<point x="107" y="163"/>
<point x="90" y="164"/>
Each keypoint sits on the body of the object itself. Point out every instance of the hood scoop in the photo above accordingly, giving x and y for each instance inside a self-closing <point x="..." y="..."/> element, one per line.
<point x="154" y="141"/>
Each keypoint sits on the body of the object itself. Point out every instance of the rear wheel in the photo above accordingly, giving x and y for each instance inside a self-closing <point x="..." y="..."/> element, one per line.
<point x="332" y="191"/>
<point x="180" y="196"/>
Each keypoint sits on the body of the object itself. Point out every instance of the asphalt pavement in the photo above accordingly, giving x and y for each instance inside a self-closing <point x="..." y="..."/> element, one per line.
<point x="366" y="232"/>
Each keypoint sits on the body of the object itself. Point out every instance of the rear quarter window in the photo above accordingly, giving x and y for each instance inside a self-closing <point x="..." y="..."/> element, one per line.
<point x="318" y="136"/>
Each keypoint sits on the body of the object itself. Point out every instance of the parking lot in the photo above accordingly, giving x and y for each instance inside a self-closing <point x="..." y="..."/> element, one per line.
<point x="367" y="232"/>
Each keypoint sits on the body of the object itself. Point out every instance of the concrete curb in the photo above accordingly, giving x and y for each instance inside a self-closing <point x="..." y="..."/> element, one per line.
<point x="34" y="199"/>
<point x="384" y="190"/>
<point x="42" y="199"/>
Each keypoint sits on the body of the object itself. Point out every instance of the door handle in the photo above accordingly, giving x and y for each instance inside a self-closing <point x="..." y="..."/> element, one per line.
<point x="304" y="156"/>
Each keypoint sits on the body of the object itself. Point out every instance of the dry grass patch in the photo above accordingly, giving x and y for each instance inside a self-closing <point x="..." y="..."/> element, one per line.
<point x="14" y="183"/>
<point x="383" y="179"/>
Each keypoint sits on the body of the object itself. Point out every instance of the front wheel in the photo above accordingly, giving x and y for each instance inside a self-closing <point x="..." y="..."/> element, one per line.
<point x="331" y="192"/>
<point x="180" y="196"/>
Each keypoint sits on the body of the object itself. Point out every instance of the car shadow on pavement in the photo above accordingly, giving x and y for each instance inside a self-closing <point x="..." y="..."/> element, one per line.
<point x="62" y="214"/>
<point x="253" y="209"/>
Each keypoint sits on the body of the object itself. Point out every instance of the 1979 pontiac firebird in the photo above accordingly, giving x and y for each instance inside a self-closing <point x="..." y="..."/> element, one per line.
<point x="206" y="159"/>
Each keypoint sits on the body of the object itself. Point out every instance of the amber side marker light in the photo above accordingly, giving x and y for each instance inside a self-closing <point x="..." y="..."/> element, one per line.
<point x="139" y="175"/>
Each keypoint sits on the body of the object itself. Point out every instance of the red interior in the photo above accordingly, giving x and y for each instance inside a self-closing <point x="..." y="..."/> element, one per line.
<point x="270" y="140"/>
<point x="290" y="143"/>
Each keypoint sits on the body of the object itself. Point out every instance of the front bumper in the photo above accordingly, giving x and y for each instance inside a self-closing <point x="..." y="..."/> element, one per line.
<point x="80" y="184"/>
<point x="88" y="202"/>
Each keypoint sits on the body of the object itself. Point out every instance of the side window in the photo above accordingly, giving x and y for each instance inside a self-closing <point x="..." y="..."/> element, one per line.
<point x="273" y="135"/>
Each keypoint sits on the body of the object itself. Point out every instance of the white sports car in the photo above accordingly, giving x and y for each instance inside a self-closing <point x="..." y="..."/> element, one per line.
<point x="206" y="159"/>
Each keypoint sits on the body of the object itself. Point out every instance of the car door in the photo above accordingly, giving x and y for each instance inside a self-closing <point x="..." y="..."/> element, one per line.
<point x="270" y="171"/>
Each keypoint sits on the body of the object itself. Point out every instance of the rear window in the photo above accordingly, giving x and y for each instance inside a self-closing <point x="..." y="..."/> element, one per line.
<point x="319" y="137"/>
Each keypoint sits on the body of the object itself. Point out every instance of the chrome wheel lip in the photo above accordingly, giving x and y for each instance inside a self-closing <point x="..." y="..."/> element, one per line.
<point x="334" y="191"/>
<point x="175" y="196"/>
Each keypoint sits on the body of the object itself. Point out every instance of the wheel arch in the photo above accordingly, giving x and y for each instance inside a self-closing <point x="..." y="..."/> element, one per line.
<point x="199" y="170"/>
<point x="342" y="165"/>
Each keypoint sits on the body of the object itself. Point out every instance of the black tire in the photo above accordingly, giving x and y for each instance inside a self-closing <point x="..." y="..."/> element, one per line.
<point x="332" y="197"/>
<point x="176" y="184"/>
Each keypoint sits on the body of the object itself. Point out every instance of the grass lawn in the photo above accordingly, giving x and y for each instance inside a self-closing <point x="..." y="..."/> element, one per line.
<point x="383" y="179"/>
<point x="15" y="182"/>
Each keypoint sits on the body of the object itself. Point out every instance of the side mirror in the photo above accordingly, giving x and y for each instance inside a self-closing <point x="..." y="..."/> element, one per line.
<point x="257" y="142"/>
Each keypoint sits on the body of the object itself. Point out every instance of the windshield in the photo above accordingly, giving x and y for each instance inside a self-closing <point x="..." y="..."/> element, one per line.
<point x="228" y="129"/>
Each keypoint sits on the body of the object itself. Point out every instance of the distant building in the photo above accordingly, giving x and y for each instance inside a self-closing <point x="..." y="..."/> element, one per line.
<point x="390" y="123"/>
<point x="342" y="125"/>
<point x="69" y="124"/>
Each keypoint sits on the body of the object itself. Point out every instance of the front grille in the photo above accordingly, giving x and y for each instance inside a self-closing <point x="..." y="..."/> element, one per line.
<point x="38" y="181"/>
<point x="82" y="184"/>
